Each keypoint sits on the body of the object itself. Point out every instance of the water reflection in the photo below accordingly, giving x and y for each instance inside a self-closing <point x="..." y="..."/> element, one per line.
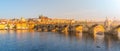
<point x="108" y="42"/>
<point x="99" y="41"/>
<point x="30" y="40"/>
<point x="78" y="35"/>
<point x="21" y="31"/>
<point x="99" y="36"/>
<point x="3" y="31"/>
<point x="11" y="31"/>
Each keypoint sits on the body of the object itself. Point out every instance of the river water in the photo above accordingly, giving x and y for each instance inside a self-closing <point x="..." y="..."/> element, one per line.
<point x="24" y="40"/>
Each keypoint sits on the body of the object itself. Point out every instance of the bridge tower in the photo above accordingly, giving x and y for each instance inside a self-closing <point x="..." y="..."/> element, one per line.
<point x="107" y="24"/>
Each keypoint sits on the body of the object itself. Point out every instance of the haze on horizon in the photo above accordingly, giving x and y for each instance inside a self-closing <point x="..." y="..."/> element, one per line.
<point x="70" y="9"/>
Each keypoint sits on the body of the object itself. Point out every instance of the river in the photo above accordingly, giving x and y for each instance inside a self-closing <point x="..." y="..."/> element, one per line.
<point x="24" y="40"/>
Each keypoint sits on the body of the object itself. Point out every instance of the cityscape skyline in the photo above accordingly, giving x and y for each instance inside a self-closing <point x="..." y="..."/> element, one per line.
<point x="70" y="9"/>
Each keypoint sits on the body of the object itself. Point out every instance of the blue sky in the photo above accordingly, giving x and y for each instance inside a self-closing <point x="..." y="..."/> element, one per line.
<point x="70" y="9"/>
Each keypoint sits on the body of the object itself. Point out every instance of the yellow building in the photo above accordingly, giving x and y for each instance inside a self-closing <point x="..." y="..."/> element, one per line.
<point x="21" y="24"/>
<point x="31" y="25"/>
<point x="10" y="25"/>
<point x="18" y="26"/>
<point x="2" y="26"/>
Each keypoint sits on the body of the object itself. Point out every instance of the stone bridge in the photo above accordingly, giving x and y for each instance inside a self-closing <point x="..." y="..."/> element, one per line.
<point x="91" y="27"/>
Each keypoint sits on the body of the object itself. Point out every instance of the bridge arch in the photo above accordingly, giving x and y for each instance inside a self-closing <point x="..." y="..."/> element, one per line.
<point x="79" y="28"/>
<point x="116" y="30"/>
<point x="97" y="28"/>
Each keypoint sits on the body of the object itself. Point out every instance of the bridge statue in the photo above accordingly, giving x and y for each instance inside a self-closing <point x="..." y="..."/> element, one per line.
<point x="107" y="24"/>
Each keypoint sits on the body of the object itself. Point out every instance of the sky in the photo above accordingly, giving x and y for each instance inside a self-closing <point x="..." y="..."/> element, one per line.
<point x="69" y="9"/>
